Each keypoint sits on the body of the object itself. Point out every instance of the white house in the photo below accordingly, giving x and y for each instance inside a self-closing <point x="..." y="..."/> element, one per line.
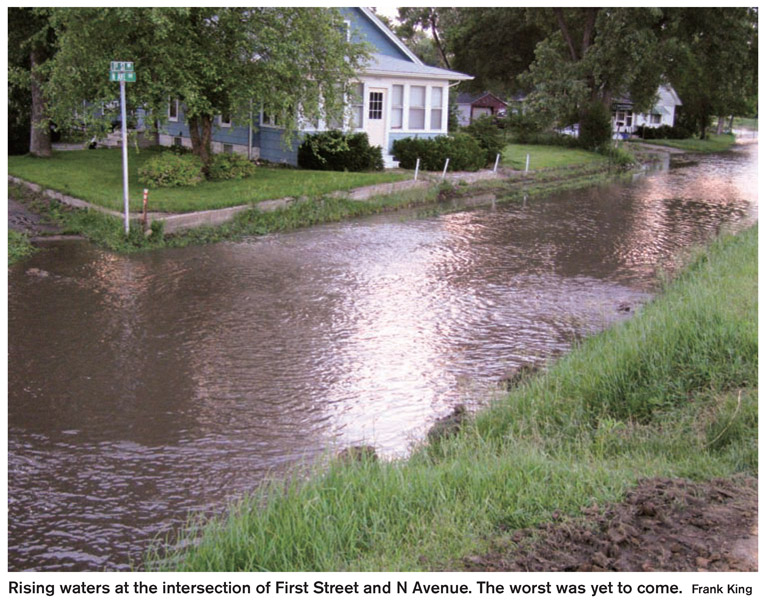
<point x="663" y="113"/>
<point x="396" y="96"/>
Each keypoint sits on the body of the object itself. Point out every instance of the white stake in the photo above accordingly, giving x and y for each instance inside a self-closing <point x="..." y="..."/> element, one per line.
<point x="416" y="173"/>
<point x="124" y="155"/>
<point x="497" y="158"/>
<point x="447" y="161"/>
<point x="527" y="163"/>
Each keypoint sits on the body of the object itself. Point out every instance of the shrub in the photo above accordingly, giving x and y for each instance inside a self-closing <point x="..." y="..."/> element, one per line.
<point x="171" y="170"/>
<point x="230" y="166"/>
<point x="463" y="150"/>
<point x="523" y="127"/>
<point x="595" y="126"/>
<point x="489" y="136"/>
<point x="338" y="151"/>
<point x="664" y="131"/>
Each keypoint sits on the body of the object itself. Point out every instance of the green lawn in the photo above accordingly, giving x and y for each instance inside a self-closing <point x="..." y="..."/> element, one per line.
<point x="547" y="156"/>
<point x="96" y="176"/>
<point x="713" y="144"/>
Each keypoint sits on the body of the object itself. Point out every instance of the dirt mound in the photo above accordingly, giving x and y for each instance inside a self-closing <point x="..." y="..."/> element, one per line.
<point x="662" y="525"/>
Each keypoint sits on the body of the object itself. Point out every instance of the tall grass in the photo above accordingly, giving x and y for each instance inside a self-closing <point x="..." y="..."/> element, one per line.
<point x="671" y="392"/>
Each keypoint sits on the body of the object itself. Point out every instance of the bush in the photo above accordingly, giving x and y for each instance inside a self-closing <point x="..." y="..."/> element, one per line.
<point x="523" y="127"/>
<point x="463" y="150"/>
<point x="664" y="131"/>
<point x="489" y="136"/>
<point x="230" y="166"/>
<point x="339" y="152"/>
<point x="171" y="170"/>
<point x="595" y="126"/>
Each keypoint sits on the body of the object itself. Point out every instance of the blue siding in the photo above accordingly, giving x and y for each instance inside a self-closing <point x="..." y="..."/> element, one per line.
<point x="274" y="148"/>
<point x="363" y="29"/>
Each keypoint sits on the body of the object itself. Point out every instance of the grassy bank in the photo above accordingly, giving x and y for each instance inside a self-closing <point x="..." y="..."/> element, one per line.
<point x="714" y="143"/>
<point x="108" y="231"/>
<point x="96" y="176"/>
<point x="672" y="392"/>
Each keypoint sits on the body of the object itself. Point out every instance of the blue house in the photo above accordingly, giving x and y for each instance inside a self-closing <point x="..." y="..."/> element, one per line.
<point x="397" y="96"/>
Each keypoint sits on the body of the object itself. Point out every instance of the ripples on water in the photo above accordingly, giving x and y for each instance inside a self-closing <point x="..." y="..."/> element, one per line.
<point x="145" y="388"/>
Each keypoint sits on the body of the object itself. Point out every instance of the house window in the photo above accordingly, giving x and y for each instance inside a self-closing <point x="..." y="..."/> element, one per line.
<point x="397" y="106"/>
<point x="357" y="106"/>
<point x="177" y="141"/>
<point x="655" y="118"/>
<point x="225" y="120"/>
<point x="174" y="110"/>
<point x="436" y="115"/>
<point x="272" y="120"/>
<point x="227" y="148"/>
<point x="375" y="105"/>
<point x="417" y="107"/>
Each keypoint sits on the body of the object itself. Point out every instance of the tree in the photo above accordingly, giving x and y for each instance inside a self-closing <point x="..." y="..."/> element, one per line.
<point x="30" y="45"/>
<point x="713" y="62"/>
<point x="294" y="62"/>
<point x="431" y="20"/>
<point x="495" y="45"/>
<point x="592" y="56"/>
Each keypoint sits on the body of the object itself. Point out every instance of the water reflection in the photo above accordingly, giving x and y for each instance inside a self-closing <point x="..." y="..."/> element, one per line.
<point x="143" y="388"/>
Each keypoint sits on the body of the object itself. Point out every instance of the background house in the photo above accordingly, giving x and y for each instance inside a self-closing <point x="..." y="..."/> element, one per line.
<point x="474" y="106"/>
<point x="396" y="96"/>
<point x="663" y="113"/>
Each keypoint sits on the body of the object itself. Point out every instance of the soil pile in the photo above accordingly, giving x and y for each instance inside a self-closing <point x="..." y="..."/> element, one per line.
<point x="662" y="525"/>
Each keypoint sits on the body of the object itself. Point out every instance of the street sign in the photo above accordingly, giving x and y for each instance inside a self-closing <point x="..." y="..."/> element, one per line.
<point x="122" y="66"/>
<point x="123" y="71"/>
<point x="122" y="76"/>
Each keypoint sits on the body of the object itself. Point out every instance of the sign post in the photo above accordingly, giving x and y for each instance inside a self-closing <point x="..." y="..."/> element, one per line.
<point x="123" y="71"/>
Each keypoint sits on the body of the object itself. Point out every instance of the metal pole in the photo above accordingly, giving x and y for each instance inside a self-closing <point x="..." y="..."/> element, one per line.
<point x="447" y="161"/>
<point x="124" y="155"/>
<point x="527" y="163"/>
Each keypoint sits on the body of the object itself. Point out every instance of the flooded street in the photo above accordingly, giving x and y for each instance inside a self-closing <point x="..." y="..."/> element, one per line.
<point x="147" y="387"/>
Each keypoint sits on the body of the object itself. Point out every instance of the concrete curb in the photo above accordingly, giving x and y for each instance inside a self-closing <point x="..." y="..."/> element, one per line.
<point x="174" y="223"/>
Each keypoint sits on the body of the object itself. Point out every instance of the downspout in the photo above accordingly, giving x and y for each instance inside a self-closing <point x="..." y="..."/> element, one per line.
<point x="249" y="146"/>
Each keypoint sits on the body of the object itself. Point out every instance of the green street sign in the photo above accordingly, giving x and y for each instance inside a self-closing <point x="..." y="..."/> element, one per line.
<point x="122" y="76"/>
<point x="122" y="66"/>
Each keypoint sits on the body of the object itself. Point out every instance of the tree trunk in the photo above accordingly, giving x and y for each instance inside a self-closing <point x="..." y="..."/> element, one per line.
<point x="200" y="128"/>
<point x="39" y="139"/>
<point x="719" y="129"/>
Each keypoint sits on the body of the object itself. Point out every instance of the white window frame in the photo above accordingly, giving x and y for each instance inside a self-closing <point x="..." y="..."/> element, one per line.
<point x="440" y="108"/>
<point x="394" y="108"/>
<point x="268" y="121"/>
<point x="223" y="124"/>
<point x="422" y="107"/>
<point x="177" y="110"/>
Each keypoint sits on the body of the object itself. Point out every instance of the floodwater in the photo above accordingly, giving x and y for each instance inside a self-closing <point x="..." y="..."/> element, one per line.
<point x="145" y="388"/>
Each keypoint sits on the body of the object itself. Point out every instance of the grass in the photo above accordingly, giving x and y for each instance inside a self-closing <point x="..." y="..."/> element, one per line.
<point x="748" y="123"/>
<point x="672" y="392"/>
<point x="19" y="247"/>
<point x="96" y="176"/>
<point x="547" y="156"/>
<point x="714" y="143"/>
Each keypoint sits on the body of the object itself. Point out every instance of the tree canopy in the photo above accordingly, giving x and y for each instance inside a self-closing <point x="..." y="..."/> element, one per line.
<point x="293" y="62"/>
